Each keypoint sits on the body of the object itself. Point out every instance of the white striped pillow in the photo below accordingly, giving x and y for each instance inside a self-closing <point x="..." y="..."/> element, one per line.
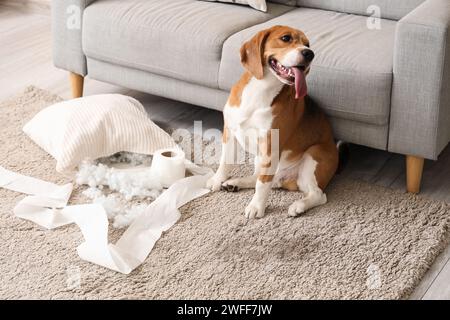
<point x="93" y="127"/>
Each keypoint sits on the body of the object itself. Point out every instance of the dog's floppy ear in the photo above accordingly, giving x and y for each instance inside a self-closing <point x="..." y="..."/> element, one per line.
<point x="252" y="54"/>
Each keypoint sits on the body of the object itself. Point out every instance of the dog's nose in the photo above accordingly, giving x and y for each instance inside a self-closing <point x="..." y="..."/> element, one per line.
<point x="308" y="54"/>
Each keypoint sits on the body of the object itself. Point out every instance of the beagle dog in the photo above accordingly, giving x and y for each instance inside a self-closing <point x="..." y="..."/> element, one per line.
<point x="269" y="107"/>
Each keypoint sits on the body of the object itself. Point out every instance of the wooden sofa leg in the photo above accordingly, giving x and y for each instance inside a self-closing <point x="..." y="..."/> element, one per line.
<point x="76" y="84"/>
<point x="414" y="168"/>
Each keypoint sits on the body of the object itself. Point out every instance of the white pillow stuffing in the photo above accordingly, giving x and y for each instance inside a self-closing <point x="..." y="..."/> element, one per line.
<point x="93" y="127"/>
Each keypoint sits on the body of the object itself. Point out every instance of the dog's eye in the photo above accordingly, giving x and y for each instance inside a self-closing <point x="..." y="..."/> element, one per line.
<point x="286" y="38"/>
<point x="307" y="45"/>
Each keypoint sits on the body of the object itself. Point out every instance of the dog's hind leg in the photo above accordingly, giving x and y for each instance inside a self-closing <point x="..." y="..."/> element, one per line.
<point x="316" y="169"/>
<point x="236" y="184"/>
<point x="248" y="182"/>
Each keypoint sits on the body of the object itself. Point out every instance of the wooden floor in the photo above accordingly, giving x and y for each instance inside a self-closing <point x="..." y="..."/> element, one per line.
<point x="25" y="59"/>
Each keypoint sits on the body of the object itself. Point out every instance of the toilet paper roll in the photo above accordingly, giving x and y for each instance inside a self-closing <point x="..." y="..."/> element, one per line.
<point x="168" y="166"/>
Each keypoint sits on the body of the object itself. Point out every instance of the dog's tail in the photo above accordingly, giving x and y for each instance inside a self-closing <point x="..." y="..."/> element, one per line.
<point x="344" y="154"/>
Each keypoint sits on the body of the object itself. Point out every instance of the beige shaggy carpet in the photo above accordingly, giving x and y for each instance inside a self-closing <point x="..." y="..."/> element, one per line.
<point x="366" y="242"/>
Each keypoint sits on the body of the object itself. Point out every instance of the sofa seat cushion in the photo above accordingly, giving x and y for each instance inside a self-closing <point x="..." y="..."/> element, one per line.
<point x="181" y="39"/>
<point x="351" y="76"/>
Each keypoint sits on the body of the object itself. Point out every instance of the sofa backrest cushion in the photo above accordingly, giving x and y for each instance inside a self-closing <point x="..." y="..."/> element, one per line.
<point x="389" y="9"/>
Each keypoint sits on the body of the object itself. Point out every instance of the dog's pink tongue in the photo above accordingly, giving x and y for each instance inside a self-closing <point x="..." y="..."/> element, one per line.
<point x="300" y="83"/>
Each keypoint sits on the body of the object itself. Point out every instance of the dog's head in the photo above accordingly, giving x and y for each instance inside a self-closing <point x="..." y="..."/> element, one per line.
<point x="282" y="50"/>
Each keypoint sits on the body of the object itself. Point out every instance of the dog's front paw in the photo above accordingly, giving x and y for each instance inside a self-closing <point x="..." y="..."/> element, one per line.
<point x="230" y="186"/>
<point x="254" y="210"/>
<point x="214" y="183"/>
<point x="297" y="208"/>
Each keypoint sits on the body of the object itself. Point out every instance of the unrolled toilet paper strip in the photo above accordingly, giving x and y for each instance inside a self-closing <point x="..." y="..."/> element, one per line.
<point x="45" y="201"/>
<point x="47" y="206"/>
<point x="138" y="240"/>
<point x="32" y="186"/>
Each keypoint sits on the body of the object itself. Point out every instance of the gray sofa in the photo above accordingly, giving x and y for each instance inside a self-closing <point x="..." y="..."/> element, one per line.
<point x="385" y="87"/>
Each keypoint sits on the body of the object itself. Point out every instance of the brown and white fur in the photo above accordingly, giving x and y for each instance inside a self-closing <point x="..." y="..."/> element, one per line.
<point x="263" y="100"/>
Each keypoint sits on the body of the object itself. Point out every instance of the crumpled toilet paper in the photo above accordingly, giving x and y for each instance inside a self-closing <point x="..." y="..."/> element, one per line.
<point x="46" y="205"/>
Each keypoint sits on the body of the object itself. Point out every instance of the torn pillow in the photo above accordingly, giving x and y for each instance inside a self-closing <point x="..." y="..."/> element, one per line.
<point x="93" y="127"/>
